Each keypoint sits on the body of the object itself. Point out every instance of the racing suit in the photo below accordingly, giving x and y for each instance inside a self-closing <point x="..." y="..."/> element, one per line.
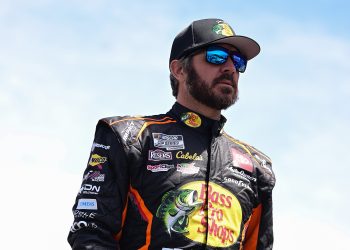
<point x="172" y="181"/>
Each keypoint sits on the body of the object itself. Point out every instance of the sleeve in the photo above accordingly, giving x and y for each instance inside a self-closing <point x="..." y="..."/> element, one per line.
<point x="259" y="235"/>
<point x="102" y="198"/>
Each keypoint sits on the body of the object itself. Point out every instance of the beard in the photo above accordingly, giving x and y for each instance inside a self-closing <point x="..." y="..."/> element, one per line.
<point x="203" y="92"/>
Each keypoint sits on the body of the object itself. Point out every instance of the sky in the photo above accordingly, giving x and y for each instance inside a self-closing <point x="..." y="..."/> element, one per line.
<point x="66" y="64"/>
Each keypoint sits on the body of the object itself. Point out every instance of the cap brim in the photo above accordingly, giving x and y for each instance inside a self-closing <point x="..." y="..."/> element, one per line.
<point x="247" y="46"/>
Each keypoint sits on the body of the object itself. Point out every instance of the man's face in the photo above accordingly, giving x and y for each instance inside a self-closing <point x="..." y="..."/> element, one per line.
<point x="215" y="86"/>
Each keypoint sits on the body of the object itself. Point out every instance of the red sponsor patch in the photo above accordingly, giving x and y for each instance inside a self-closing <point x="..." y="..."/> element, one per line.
<point x="240" y="160"/>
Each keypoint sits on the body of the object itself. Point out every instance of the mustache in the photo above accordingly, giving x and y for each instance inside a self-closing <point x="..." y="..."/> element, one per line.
<point x="228" y="77"/>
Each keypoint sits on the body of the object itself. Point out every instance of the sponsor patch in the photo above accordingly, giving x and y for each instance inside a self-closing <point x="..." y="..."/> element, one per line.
<point x="87" y="204"/>
<point x="95" y="176"/>
<point x="242" y="174"/>
<point x="239" y="183"/>
<point x="84" y="215"/>
<point x="169" y="142"/>
<point x="159" y="155"/>
<point x="188" y="156"/>
<point x="263" y="163"/>
<point x="191" y="119"/>
<point x="126" y="133"/>
<point x="89" y="189"/>
<point x="82" y="224"/>
<point x="97" y="145"/>
<point x="223" y="29"/>
<point x="159" y="167"/>
<point x="97" y="160"/>
<point x="187" y="168"/>
<point x="202" y="212"/>
<point x="241" y="161"/>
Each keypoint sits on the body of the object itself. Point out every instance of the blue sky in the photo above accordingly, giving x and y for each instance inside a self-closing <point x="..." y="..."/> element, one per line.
<point x="65" y="64"/>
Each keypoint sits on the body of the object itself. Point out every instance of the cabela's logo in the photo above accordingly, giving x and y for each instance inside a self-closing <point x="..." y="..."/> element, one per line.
<point x="223" y="29"/>
<point x="191" y="119"/>
<point x="203" y="213"/>
<point x="188" y="156"/>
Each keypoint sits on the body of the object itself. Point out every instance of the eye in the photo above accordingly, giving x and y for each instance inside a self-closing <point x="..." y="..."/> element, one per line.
<point x="217" y="59"/>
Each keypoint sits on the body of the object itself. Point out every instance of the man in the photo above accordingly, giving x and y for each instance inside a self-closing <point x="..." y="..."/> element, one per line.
<point x="177" y="180"/>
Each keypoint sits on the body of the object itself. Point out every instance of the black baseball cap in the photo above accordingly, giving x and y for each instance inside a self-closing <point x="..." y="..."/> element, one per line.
<point x="201" y="33"/>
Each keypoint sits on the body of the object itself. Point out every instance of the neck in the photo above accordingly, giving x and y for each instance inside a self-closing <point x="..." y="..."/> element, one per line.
<point x="191" y="103"/>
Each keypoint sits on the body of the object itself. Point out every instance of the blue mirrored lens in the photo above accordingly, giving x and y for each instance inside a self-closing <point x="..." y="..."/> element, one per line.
<point x="216" y="56"/>
<point x="219" y="55"/>
<point x="239" y="62"/>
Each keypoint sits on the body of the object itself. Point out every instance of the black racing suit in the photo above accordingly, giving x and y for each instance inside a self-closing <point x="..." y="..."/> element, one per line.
<point x="172" y="181"/>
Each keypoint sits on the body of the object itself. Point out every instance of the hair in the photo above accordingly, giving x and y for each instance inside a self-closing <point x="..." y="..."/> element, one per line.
<point x="186" y="64"/>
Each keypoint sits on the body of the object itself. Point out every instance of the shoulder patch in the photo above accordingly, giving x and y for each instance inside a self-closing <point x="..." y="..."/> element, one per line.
<point x="130" y="128"/>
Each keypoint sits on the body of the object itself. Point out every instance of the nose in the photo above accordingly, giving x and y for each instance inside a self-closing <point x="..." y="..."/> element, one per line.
<point x="229" y="66"/>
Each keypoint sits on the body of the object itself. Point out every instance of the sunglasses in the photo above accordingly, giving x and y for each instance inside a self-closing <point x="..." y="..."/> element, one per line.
<point x="219" y="55"/>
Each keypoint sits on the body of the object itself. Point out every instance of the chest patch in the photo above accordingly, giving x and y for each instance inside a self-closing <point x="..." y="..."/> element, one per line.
<point x="241" y="160"/>
<point x="203" y="213"/>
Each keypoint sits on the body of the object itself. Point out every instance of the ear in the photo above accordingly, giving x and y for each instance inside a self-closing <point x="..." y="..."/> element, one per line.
<point x="177" y="70"/>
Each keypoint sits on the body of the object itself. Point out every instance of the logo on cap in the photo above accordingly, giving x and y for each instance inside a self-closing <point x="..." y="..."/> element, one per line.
<point x="223" y="29"/>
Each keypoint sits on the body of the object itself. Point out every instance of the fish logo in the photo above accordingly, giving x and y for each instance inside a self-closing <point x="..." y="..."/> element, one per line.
<point x="176" y="207"/>
<point x="191" y="119"/>
<point x="223" y="29"/>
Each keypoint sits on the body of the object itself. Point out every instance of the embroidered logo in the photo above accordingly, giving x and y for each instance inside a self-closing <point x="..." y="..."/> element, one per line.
<point x="223" y="29"/>
<point x="191" y="119"/>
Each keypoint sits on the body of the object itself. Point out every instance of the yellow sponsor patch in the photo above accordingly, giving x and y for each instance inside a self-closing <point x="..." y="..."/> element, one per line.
<point x="97" y="160"/>
<point x="215" y="222"/>
<point x="188" y="156"/>
<point x="191" y="119"/>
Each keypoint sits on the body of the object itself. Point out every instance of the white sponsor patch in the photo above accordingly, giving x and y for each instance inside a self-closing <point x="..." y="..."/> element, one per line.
<point x="187" y="168"/>
<point x="97" y="145"/>
<point x="169" y="142"/>
<point x="159" y="167"/>
<point x="88" y="204"/>
<point x="159" y="155"/>
<point x="84" y="215"/>
<point x="82" y="224"/>
<point x="89" y="189"/>
<point x="126" y="133"/>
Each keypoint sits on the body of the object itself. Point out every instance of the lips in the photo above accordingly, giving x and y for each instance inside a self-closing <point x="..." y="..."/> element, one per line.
<point x="226" y="83"/>
<point x="226" y="79"/>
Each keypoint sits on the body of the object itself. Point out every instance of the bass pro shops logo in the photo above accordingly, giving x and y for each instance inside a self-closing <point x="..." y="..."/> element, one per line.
<point x="216" y="221"/>
<point x="191" y="119"/>
<point x="223" y="29"/>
